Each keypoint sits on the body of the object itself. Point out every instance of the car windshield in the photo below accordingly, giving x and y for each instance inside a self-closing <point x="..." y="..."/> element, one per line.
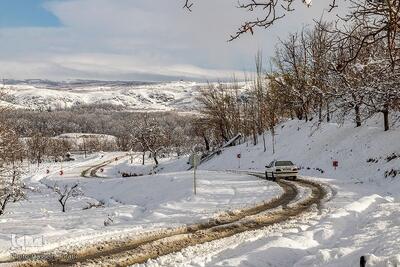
<point x="284" y="163"/>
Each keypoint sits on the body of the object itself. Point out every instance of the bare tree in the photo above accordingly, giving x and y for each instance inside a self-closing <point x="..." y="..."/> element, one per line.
<point x="11" y="156"/>
<point x="150" y="136"/>
<point x="58" y="148"/>
<point x="38" y="145"/>
<point x="65" y="193"/>
<point x="221" y="105"/>
<point x="266" y="13"/>
<point x="291" y="61"/>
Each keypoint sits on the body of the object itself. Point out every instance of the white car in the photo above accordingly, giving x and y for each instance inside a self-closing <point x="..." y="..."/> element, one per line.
<point x="281" y="169"/>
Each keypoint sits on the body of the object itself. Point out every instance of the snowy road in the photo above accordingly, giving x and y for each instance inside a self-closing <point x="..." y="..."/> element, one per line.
<point x="155" y="244"/>
<point x="91" y="172"/>
<point x="133" y="206"/>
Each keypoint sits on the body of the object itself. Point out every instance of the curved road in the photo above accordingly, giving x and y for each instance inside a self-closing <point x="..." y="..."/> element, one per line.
<point x="91" y="172"/>
<point x="158" y="243"/>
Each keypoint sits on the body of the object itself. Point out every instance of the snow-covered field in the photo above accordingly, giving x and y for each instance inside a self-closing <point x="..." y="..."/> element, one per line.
<point x="130" y="205"/>
<point x="361" y="218"/>
<point x="178" y="96"/>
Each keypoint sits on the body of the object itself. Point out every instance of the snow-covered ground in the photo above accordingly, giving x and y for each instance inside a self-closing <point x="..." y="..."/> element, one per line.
<point x="129" y="205"/>
<point x="132" y="165"/>
<point x="362" y="218"/>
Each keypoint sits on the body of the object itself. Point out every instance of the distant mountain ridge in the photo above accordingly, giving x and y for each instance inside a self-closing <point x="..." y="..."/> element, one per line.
<point x="42" y="83"/>
<point x="131" y="95"/>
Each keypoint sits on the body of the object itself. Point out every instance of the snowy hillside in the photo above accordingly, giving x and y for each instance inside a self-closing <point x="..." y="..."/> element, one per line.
<point x="364" y="154"/>
<point x="166" y="96"/>
<point x="361" y="218"/>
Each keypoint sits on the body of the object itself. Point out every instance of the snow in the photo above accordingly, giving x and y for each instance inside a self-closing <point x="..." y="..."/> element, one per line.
<point x="131" y="205"/>
<point x="168" y="164"/>
<point x="178" y="96"/>
<point x="337" y="237"/>
<point x="165" y="96"/>
<point x="313" y="147"/>
<point x="361" y="218"/>
<point x="85" y="135"/>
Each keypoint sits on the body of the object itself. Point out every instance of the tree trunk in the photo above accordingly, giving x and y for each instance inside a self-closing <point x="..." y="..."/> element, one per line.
<point x="221" y="127"/>
<point x="207" y="143"/>
<point x="3" y="205"/>
<point x="299" y="115"/>
<point x="38" y="159"/>
<point x="273" y="139"/>
<point x="386" y="119"/>
<point x="143" y="156"/>
<point x="320" y="110"/>
<point x="358" y="117"/>
<point x="265" y="147"/>
<point x="155" y="158"/>
<point x="62" y="204"/>
<point x="328" y="113"/>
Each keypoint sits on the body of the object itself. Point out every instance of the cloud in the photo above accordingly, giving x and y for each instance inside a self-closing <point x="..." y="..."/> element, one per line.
<point x="140" y="39"/>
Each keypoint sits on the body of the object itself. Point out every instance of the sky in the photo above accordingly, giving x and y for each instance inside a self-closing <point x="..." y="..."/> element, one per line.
<point x="143" y="40"/>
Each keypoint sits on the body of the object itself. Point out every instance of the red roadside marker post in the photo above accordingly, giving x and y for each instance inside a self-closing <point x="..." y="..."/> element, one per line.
<point x="238" y="157"/>
<point x="335" y="164"/>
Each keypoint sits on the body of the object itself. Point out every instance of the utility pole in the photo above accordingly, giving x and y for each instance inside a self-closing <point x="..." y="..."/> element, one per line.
<point x="194" y="180"/>
<point x="131" y="154"/>
<point x="84" y="144"/>
<point x="194" y="160"/>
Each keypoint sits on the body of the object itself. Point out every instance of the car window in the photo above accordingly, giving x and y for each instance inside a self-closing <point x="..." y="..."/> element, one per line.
<point x="284" y="163"/>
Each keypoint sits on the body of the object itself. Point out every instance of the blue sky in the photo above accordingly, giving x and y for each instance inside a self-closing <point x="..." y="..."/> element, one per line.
<point x="26" y="13"/>
<point x="134" y="39"/>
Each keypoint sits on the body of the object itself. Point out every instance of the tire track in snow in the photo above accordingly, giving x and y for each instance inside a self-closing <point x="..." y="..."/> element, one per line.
<point x="158" y="243"/>
<point x="91" y="172"/>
